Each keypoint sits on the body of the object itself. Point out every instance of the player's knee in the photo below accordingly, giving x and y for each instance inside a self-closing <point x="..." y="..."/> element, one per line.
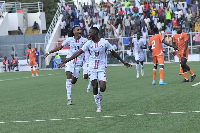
<point x="85" y="76"/>
<point x="137" y="62"/>
<point x="102" y="88"/>
<point x="155" y="66"/>
<point x="73" y="81"/>
<point x="183" y="64"/>
<point x="162" y="66"/>
<point x="31" y="67"/>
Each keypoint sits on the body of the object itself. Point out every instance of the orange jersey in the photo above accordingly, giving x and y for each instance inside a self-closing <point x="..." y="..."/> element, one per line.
<point x="31" y="53"/>
<point x="156" y="44"/>
<point x="179" y="40"/>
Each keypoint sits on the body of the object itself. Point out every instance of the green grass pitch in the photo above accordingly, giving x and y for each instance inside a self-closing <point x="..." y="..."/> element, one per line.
<point x="44" y="98"/>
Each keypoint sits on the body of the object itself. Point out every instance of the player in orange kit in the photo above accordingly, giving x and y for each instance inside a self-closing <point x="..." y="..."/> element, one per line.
<point x="155" y="46"/>
<point x="181" y="41"/>
<point x="31" y="59"/>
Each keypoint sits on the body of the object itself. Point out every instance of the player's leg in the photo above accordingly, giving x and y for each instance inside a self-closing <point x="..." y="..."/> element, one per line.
<point x="31" y="64"/>
<point x="93" y="78"/>
<point x="137" y="65"/>
<point x="137" y="68"/>
<point x="75" y="74"/>
<point x="36" y="69"/>
<point x="68" y="69"/>
<point x="161" y="64"/>
<point x="181" y="70"/>
<point x="154" y="69"/>
<point x="142" y="68"/>
<point x="185" y="69"/>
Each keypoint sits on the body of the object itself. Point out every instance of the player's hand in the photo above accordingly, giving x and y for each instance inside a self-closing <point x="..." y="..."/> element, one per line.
<point x="45" y="55"/>
<point x="127" y="64"/>
<point x="62" y="64"/>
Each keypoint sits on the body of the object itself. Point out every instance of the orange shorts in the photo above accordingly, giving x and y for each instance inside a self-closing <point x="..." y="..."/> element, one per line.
<point x="32" y="63"/>
<point x="180" y="55"/>
<point x="158" y="59"/>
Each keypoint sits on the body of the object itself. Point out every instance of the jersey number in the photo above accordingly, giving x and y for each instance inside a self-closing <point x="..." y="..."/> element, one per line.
<point x="76" y="47"/>
<point x="153" y="45"/>
<point x="96" y="65"/>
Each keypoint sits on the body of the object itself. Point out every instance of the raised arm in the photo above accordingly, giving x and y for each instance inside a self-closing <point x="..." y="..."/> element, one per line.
<point x="52" y="51"/>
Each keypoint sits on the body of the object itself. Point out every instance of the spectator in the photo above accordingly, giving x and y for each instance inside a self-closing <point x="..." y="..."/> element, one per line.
<point x="19" y="31"/>
<point x="137" y="3"/>
<point x="35" y="26"/>
<point x="160" y="13"/>
<point x="6" y="65"/>
<point x="13" y="52"/>
<point x="197" y="27"/>
<point x="112" y="9"/>
<point x="62" y="27"/>
<point x="76" y="21"/>
<point x="153" y="12"/>
<point x="174" y="22"/>
<point x="37" y="57"/>
<point x="147" y="21"/>
<point x="134" y="9"/>
<point x="126" y="5"/>
<point x="1" y="12"/>
<point x="121" y="12"/>
<point x="194" y="7"/>
<point x="168" y="15"/>
<point x="67" y="8"/>
<point x="127" y="25"/>
<point x="116" y="7"/>
<point x="65" y="14"/>
<point x="197" y="39"/>
<point x="169" y="29"/>
<point x="14" y="63"/>
<point x="55" y="60"/>
<point x="146" y="5"/>
<point x="108" y="4"/>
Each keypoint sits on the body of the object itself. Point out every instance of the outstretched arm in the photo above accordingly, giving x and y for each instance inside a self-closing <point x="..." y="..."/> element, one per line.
<point x="71" y="58"/>
<point x="117" y="56"/>
<point x="174" y="46"/>
<point x="52" y="51"/>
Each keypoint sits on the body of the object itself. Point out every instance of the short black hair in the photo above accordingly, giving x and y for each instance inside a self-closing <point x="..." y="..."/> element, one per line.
<point x="71" y="34"/>
<point x="155" y="30"/>
<point x="95" y="28"/>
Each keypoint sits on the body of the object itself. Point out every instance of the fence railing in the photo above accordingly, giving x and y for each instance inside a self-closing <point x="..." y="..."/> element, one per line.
<point x="54" y="21"/>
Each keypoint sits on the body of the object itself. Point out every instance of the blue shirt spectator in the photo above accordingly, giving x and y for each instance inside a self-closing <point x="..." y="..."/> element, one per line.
<point x="76" y="21"/>
<point x="169" y="28"/>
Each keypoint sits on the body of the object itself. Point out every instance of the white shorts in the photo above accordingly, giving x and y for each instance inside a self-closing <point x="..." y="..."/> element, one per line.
<point x="139" y="57"/>
<point x="70" y="67"/>
<point x="99" y="75"/>
<point x="85" y="68"/>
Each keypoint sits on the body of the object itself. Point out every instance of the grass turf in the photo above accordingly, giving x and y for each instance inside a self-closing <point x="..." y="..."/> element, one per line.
<point x="44" y="97"/>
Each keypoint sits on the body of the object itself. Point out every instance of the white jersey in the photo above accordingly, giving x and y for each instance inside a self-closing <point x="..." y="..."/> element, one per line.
<point x="74" y="46"/>
<point x="98" y="59"/>
<point x="137" y="44"/>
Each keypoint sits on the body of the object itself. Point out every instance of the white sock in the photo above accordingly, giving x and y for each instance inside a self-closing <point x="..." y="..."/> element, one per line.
<point x="97" y="100"/>
<point x="137" y="68"/>
<point x="68" y="88"/>
<point x="89" y="85"/>
<point x="99" y="90"/>
<point x="161" y="80"/>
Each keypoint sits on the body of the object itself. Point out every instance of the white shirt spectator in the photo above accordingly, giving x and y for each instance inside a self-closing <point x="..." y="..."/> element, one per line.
<point x="159" y="26"/>
<point x="188" y="16"/>
<point x="155" y="20"/>
<point x="141" y="8"/>
<point x="177" y="14"/>
<point x="127" y="22"/>
<point x="62" y="24"/>
<point x="147" y="20"/>
<point x="144" y="34"/>
<point x="137" y="3"/>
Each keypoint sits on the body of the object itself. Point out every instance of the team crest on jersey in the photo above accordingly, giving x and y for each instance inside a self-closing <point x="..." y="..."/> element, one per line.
<point x="101" y="46"/>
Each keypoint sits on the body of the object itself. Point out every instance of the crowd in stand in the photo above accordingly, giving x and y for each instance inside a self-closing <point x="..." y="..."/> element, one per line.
<point x="114" y="20"/>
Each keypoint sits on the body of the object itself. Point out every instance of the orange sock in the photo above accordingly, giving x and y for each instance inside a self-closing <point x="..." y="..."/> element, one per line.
<point x="161" y="73"/>
<point x="154" y="74"/>
<point x="31" y="71"/>
<point x="36" y="70"/>
<point x="191" y="72"/>
<point x="181" y="69"/>
<point x="185" y="75"/>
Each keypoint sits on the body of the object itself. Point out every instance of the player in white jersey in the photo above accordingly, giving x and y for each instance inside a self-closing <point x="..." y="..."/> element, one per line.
<point x="73" y="67"/>
<point x="86" y="68"/>
<point x="139" y="45"/>
<point x="98" y="47"/>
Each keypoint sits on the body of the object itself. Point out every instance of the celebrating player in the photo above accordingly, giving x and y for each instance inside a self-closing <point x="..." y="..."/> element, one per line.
<point x="97" y="47"/>
<point x="73" y="67"/>
<point x="181" y="41"/>
<point x="155" y="45"/>
<point x="139" y="45"/>
<point x="31" y="59"/>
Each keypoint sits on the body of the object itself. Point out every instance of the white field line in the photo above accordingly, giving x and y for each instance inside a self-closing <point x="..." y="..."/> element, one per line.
<point x="106" y="116"/>
<point x="29" y="77"/>
<point x="196" y="84"/>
